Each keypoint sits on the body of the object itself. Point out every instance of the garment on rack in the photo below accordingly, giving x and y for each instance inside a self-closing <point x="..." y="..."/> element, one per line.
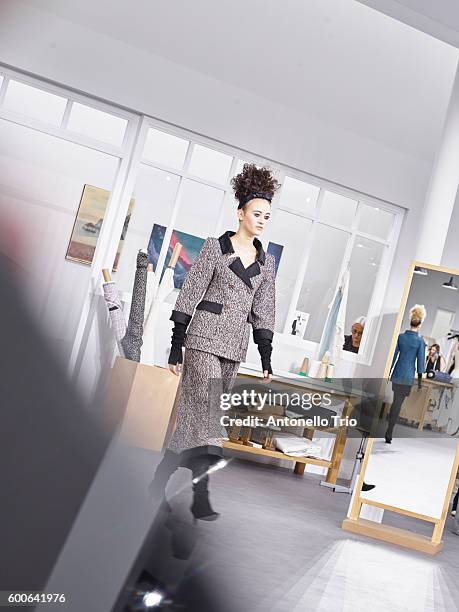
<point x="115" y="309"/>
<point x="132" y="341"/>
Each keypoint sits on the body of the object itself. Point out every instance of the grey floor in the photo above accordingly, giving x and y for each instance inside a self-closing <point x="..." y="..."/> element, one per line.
<point x="278" y="546"/>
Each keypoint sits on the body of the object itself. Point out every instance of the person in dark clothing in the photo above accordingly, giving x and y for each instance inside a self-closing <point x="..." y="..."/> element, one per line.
<point x="352" y="342"/>
<point x="434" y="361"/>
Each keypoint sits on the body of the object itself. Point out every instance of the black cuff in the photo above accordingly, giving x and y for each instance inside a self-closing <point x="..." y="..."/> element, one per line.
<point x="180" y="317"/>
<point x="265" y="349"/>
<point x="175" y="356"/>
<point x="262" y="334"/>
<point x="178" y="340"/>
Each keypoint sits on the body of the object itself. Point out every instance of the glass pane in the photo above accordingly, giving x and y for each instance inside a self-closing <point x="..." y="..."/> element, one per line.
<point x="286" y="239"/>
<point x="210" y="165"/>
<point x="1" y="80"/>
<point x="34" y="103"/>
<point x="229" y="220"/>
<point x="165" y="149"/>
<point x="199" y="209"/>
<point x="154" y="194"/>
<point x="375" y="221"/>
<point x="41" y="187"/>
<point x="338" y="209"/>
<point x="298" y="195"/>
<point x="97" y="124"/>
<point x="321" y="277"/>
<point x="364" y="266"/>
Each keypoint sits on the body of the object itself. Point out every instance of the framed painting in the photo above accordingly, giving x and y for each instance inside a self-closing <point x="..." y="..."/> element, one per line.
<point x="191" y="245"/>
<point x="88" y="223"/>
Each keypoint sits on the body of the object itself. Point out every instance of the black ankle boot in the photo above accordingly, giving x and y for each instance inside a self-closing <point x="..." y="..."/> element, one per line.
<point x="201" y="508"/>
<point x="367" y="487"/>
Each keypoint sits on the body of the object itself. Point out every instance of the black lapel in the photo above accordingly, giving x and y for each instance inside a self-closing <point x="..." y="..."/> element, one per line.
<point x="226" y="246"/>
<point x="253" y="269"/>
<point x="238" y="268"/>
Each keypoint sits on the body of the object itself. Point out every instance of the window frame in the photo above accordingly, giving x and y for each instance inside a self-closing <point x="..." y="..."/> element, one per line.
<point x="130" y="156"/>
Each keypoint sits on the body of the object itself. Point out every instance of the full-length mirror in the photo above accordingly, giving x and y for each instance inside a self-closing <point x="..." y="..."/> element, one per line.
<point x="412" y="467"/>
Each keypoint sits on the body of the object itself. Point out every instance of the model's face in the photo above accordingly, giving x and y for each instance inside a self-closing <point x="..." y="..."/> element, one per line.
<point x="255" y="215"/>
<point x="356" y="331"/>
<point x="433" y="351"/>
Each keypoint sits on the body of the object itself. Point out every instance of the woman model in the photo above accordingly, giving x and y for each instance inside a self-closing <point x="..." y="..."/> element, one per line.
<point x="409" y="356"/>
<point x="231" y="286"/>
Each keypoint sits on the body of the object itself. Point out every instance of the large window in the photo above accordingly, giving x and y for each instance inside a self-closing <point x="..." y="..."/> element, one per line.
<point x="53" y="142"/>
<point x="316" y="231"/>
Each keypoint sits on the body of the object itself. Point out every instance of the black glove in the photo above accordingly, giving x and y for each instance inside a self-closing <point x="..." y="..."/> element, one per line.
<point x="178" y="339"/>
<point x="263" y="339"/>
<point x="265" y="348"/>
<point x="419" y="382"/>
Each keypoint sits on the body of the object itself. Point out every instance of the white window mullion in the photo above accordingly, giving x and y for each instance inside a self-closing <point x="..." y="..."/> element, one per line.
<point x="107" y="244"/>
<point x="173" y="217"/>
<point x="377" y="300"/>
<point x="66" y="115"/>
<point x="3" y="89"/>
<point x="303" y="264"/>
<point x="227" y="197"/>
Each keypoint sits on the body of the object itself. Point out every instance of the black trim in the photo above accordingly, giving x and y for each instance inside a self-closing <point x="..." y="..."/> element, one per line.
<point x="180" y="317"/>
<point x="226" y="246"/>
<point x="238" y="268"/>
<point x="113" y="308"/>
<point x="262" y="334"/>
<point x="214" y="307"/>
<point x="253" y="269"/>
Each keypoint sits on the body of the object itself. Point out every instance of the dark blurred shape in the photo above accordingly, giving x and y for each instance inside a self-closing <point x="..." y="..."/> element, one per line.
<point x="50" y="446"/>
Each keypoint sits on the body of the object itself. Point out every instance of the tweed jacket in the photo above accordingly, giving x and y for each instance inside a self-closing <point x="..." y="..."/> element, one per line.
<point x="410" y="354"/>
<point x="228" y="297"/>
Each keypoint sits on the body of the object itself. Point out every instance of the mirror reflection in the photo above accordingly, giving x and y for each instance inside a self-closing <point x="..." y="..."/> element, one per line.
<point x="411" y="465"/>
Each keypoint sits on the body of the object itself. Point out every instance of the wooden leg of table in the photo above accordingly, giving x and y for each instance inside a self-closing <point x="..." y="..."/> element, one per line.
<point x="337" y="455"/>
<point x="424" y="410"/>
<point x="299" y="468"/>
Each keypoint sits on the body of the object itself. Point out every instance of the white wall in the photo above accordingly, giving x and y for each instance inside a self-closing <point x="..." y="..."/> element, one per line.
<point x="450" y="257"/>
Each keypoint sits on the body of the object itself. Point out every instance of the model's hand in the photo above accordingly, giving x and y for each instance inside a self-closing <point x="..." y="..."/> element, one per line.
<point x="267" y="377"/>
<point x="175" y="368"/>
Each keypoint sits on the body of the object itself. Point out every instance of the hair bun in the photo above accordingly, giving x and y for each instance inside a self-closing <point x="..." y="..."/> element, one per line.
<point x="254" y="180"/>
<point x="418" y="313"/>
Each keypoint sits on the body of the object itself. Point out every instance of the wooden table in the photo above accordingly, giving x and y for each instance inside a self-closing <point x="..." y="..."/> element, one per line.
<point x="415" y="408"/>
<point x="302" y="385"/>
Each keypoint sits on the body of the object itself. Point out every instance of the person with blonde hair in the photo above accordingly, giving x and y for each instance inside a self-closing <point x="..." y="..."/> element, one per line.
<point x="409" y="357"/>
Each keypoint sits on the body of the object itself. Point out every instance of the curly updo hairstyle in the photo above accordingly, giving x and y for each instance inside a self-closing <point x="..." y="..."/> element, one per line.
<point x="254" y="182"/>
<point x="417" y="315"/>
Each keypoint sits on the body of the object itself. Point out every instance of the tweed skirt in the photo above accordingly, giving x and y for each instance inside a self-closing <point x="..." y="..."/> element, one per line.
<point x="198" y="415"/>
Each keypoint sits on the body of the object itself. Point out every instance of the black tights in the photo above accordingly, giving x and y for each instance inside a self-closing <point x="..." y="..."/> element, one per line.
<point x="171" y="461"/>
<point x="400" y="393"/>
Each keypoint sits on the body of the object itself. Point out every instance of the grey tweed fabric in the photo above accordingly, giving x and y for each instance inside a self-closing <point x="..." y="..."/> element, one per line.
<point x="229" y="299"/>
<point x="115" y="310"/>
<point x="132" y="341"/>
<point x="198" y="419"/>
